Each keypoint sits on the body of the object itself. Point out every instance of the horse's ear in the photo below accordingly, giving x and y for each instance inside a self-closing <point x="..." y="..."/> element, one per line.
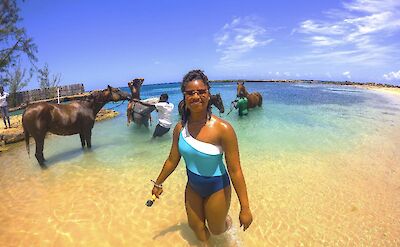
<point x="109" y="88"/>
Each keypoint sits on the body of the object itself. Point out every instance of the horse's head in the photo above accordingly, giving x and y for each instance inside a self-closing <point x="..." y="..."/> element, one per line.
<point x="241" y="90"/>
<point x="135" y="86"/>
<point x="115" y="94"/>
<point x="217" y="101"/>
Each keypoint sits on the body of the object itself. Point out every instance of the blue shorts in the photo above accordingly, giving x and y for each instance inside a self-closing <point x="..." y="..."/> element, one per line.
<point x="206" y="186"/>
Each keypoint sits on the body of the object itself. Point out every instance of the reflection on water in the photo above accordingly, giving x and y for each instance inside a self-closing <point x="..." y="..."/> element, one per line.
<point x="318" y="174"/>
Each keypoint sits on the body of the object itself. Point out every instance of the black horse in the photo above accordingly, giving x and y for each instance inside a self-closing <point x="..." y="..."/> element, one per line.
<point x="77" y="117"/>
<point x="215" y="100"/>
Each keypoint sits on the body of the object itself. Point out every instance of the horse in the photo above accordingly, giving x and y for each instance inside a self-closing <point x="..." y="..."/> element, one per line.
<point x="136" y="112"/>
<point x="215" y="100"/>
<point x="77" y="117"/>
<point x="254" y="99"/>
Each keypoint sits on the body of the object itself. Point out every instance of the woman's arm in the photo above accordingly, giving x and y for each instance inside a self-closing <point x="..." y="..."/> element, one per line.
<point x="171" y="163"/>
<point x="231" y="149"/>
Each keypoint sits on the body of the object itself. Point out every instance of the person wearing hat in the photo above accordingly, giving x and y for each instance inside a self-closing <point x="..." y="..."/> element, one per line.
<point x="4" y="107"/>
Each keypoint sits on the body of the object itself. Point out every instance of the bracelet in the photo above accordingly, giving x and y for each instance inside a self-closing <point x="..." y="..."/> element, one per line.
<point x="156" y="185"/>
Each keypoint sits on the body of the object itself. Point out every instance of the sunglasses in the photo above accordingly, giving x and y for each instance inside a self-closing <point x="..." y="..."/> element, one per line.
<point x="200" y="92"/>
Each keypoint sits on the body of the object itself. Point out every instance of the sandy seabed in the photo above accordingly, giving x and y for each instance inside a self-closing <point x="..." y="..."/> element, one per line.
<point x="297" y="200"/>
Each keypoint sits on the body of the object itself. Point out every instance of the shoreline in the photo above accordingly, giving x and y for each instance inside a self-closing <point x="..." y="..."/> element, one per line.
<point x="379" y="87"/>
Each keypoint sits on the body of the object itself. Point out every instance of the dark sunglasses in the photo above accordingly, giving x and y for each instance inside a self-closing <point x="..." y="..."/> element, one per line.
<point x="200" y="92"/>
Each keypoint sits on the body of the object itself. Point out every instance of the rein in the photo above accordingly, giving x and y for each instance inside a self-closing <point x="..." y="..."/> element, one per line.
<point x="231" y="109"/>
<point x="117" y="105"/>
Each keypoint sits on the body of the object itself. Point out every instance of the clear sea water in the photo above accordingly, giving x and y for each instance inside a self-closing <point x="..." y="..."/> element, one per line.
<point x="321" y="163"/>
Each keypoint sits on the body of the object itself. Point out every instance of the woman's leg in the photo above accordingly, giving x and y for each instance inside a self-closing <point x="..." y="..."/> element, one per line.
<point x="195" y="213"/>
<point x="216" y="209"/>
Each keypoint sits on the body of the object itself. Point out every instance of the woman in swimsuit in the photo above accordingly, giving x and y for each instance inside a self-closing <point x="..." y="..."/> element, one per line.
<point x="202" y="139"/>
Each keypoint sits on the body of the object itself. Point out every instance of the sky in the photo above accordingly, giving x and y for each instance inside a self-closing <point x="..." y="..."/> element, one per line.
<point x="112" y="42"/>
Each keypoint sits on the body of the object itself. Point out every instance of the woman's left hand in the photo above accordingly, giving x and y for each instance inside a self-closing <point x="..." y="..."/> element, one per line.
<point x="245" y="218"/>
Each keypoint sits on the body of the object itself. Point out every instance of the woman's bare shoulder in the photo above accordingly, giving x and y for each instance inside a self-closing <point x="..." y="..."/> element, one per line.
<point x="222" y="125"/>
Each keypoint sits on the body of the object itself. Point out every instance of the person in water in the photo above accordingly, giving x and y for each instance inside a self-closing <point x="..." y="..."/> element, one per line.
<point x="164" y="109"/>
<point x="202" y="139"/>
<point x="4" y="107"/>
<point x="242" y="105"/>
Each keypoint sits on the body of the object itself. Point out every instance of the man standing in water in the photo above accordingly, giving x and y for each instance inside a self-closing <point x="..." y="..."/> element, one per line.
<point x="4" y="107"/>
<point x="164" y="109"/>
<point x="242" y="104"/>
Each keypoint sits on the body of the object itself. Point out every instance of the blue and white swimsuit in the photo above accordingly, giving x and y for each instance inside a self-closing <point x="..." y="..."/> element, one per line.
<point x="205" y="168"/>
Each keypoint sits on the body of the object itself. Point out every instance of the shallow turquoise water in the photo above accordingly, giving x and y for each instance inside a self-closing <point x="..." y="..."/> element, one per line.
<point x="295" y="118"/>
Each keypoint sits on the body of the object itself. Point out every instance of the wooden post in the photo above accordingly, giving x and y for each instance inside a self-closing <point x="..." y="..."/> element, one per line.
<point x="58" y="95"/>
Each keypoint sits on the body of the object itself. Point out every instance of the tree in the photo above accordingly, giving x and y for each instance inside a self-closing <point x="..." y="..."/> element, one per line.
<point x="44" y="78"/>
<point x="13" y="39"/>
<point x="16" y="81"/>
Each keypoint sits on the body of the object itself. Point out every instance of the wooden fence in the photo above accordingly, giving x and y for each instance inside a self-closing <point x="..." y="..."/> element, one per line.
<point x="46" y="93"/>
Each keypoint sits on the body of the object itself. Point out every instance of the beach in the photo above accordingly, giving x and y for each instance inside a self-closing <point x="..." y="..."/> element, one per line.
<point x="321" y="165"/>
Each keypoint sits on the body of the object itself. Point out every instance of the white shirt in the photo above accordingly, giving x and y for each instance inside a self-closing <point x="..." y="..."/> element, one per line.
<point x="164" y="113"/>
<point x="3" y="99"/>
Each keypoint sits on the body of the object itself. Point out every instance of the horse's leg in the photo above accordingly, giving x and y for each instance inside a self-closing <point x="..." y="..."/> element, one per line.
<point x="145" y="122"/>
<point x="88" y="137"/>
<point x="82" y="136"/>
<point x="260" y="99"/>
<point x="39" y="141"/>
<point x="129" y="113"/>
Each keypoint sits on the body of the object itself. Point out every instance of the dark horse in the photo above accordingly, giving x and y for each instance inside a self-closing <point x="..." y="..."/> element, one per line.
<point x="136" y="112"/>
<point x="215" y="100"/>
<point x="76" y="117"/>
<point x="254" y="99"/>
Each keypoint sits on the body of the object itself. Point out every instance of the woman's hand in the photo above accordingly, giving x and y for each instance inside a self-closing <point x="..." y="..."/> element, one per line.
<point x="245" y="218"/>
<point x="157" y="192"/>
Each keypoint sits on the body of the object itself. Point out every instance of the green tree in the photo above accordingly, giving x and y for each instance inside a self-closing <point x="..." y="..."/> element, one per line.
<point x="44" y="78"/>
<point x="16" y="80"/>
<point x="13" y="39"/>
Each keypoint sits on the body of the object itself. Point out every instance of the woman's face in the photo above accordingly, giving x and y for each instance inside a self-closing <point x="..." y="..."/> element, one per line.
<point x="196" y="96"/>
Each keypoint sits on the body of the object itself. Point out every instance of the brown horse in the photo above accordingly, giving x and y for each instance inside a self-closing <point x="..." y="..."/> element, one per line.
<point x="76" y="117"/>
<point x="254" y="99"/>
<point x="136" y="112"/>
<point x="215" y="100"/>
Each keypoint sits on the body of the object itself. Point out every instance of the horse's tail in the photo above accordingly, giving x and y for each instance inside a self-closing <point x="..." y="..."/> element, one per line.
<point x="260" y="101"/>
<point x="26" y="133"/>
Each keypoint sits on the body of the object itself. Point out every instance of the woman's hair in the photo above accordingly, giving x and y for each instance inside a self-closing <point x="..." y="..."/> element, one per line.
<point x="191" y="76"/>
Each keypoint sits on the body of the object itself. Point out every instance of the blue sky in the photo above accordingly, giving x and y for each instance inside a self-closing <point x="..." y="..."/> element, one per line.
<point x="111" y="42"/>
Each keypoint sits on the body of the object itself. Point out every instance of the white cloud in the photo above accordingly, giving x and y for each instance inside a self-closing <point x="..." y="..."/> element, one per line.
<point x="239" y="37"/>
<point x="347" y="74"/>
<point x="360" y="34"/>
<point x="392" y="75"/>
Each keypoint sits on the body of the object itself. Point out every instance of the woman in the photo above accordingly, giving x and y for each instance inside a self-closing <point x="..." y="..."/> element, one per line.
<point x="202" y="138"/>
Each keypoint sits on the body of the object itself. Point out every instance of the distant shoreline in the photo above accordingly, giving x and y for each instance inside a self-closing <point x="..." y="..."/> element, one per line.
<point x="342" y="83"/>
<point x="385" y="88"/>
